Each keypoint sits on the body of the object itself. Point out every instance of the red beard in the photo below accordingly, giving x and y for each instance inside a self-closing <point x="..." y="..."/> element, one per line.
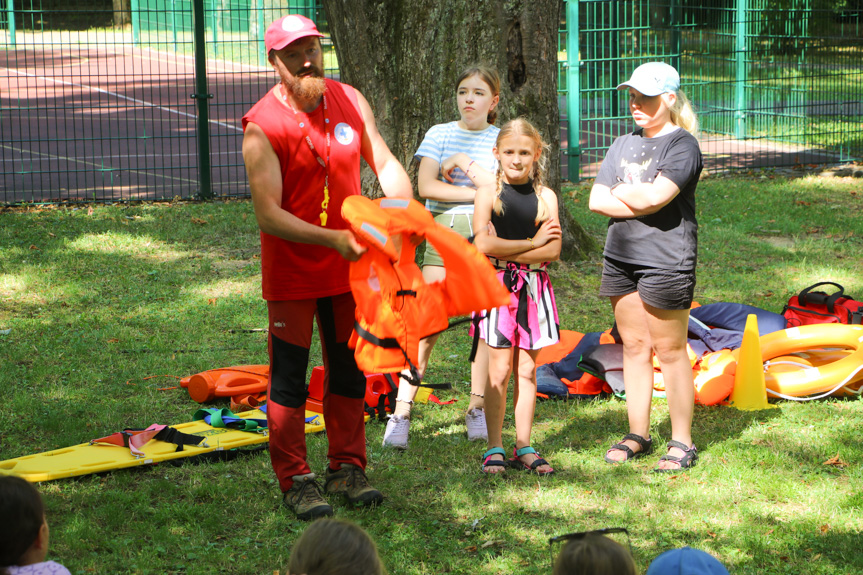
<point x="309" y="87"/>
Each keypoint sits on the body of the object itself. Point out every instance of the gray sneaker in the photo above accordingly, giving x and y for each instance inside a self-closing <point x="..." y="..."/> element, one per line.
<point x="304" y="498"/>
<point x="351" y="481"/>
<point x="396" y="434"/>
<point x="475" y="422"/>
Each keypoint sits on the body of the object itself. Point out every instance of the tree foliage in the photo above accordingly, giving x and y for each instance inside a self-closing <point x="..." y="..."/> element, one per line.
<point x="405" y="56"/>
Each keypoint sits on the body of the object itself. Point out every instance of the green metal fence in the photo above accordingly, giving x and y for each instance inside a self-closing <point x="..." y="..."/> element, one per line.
<point x="100" y="105"/>
<point x="105" y="105"/>
<point x="773" y="81"/>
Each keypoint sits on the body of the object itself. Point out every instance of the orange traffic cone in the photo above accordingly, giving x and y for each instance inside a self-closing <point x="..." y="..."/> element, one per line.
<point x="750" y="390"/>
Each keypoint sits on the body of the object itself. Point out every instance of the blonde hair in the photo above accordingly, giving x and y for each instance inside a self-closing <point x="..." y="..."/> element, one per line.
<point x="683" y="115"/>
<point x="335" y="547"/>
<point x="491" y="79"/>
<point x="521" y="127"/>
<point x="594" y="555"/>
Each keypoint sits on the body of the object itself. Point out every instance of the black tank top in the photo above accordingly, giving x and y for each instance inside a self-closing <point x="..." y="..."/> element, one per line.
<point x="519" y="212"/>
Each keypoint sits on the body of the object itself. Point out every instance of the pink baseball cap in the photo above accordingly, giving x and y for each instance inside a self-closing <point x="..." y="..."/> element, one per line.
<point x="289" y="29"/>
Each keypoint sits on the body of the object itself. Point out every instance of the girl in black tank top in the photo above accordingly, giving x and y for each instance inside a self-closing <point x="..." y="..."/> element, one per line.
<point x="516" y="225"/>
<point x="520" y="208"/>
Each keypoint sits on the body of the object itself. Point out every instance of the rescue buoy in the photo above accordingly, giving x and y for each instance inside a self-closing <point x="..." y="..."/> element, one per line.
<point x="822" y="379"/>
<point x="802" y="360"/>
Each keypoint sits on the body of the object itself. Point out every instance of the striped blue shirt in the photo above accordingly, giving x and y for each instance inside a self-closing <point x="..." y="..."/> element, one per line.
<point x="444" y="140"/>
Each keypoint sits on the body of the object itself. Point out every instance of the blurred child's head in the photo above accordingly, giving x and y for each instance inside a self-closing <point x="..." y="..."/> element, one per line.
<point x="335" y="547"/>
<point x="487" y="76"/>
<point x="22" y="521"/>
<point x="686" y="561"/>
<point x="594" y="554"/>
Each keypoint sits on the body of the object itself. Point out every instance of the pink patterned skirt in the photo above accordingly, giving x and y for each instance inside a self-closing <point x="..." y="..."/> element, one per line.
<point x="530" y="320"/>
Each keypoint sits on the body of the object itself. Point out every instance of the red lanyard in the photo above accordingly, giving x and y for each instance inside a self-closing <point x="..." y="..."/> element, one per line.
<point x="324" y="163"/>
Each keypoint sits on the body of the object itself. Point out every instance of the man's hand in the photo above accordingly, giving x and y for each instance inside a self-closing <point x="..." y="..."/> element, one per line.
<point x="348" y="247"/>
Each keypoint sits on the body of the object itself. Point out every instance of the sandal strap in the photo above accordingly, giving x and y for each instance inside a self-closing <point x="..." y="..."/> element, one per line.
<point x="537" y="462"/>
<point x="690" y="456"/>
<point x="487" y="461"/>
<point x="524" y="451"/>
<point x="681" y="446"/>
<point x="494" y="451"/>
<point x="644" y="443"/>
<point x="624" y="448"/>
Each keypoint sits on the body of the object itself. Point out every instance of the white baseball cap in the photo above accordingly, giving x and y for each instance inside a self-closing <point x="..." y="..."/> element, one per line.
<point x="653" y="79"/>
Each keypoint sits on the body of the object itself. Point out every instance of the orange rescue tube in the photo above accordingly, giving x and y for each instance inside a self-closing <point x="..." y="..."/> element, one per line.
<point x="826" y="378"/>
<point x="802" y="360"/>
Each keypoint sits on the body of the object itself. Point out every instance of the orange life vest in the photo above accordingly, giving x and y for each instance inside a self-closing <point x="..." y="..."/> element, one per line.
<point x="395" y="306"/>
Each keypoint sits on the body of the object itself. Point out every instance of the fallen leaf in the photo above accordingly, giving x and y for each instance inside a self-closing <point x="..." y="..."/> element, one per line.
<point x="90" y="211"/>
<point x="211" y="301"/>
<point x="835" y="462"/>
<point x="113" y="340"/>
<point x="712" y="534"/>
<point x="34" y="248"/>
<point x="199" y="221"/>
<point x="824" y="529"/>
<point x="471" y="549"/>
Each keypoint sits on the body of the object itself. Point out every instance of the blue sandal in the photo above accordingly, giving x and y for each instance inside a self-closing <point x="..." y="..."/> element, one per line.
<point x="517" y="463"/>
<point x="690" y="456"/>
<point x="488" y="462"/>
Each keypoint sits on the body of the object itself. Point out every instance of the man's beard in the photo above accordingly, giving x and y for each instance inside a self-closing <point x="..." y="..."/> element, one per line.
<point x="307" y="88"/>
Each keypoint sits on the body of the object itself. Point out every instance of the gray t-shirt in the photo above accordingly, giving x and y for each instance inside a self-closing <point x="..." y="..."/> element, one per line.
<point x="667" y="239"/>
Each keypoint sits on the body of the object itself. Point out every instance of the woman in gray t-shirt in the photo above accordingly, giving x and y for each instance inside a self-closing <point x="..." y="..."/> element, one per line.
<point x="646" y="185"/>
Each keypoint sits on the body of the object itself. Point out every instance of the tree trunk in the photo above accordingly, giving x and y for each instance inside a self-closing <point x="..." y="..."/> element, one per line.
<point x="122" y="13"/>
<point x="405" y="56"/>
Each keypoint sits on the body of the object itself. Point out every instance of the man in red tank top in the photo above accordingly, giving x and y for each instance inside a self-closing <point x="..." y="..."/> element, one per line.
<point x="302" y="147"/>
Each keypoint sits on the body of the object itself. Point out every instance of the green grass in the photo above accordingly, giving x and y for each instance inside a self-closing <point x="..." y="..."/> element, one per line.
<point x="98" y="300"/>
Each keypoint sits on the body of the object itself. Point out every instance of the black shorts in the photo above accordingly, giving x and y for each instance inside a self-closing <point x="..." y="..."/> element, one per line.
<point x="660" y="288"/>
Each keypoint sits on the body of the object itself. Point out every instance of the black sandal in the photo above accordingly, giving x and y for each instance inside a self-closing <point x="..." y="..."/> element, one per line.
<point x="690" y="456"/>
<point x="646" y="448"/>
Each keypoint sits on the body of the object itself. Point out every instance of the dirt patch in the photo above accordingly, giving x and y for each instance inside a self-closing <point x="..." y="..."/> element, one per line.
<point x="782" y="242"/>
